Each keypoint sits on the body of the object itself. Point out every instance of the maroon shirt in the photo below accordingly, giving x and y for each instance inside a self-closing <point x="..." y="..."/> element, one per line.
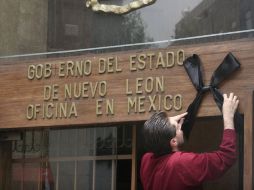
<point x="186" y="170"/>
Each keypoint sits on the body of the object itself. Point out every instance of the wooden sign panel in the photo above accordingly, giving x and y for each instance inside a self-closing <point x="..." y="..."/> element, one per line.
<point x="114" y="87"/>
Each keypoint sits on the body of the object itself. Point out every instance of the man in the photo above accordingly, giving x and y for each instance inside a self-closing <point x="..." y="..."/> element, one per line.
<point x="168" y="168"/>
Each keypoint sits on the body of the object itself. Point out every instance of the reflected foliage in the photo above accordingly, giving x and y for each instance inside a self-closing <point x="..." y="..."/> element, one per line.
<point x="71" y="26"/>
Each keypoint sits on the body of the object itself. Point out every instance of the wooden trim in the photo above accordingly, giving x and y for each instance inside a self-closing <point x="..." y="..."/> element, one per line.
<point x="114" y="173"/>
<point x="80" y="158"/>
<point x="248" y="142"/>
<point x="57" y="176"/>
<point x="134" y="159"/>
<point x="75" y="175"/>
<point x="94" y="174"/>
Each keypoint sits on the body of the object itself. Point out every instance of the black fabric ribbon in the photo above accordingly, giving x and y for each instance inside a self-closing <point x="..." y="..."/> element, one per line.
<point x="192" y="66"/>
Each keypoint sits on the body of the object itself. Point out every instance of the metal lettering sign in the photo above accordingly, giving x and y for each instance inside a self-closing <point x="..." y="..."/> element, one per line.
<point x="96" y="6"/>
<point x="114" y="87"/>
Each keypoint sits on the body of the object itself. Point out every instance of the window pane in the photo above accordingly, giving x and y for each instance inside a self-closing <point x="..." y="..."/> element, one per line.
<point x="66" y="175"/>
<point x="16" y="176"/>
<point x="54" y="143"/>
<point x="124" y="139"/>
<point x="85" y="142"/>
<point x="123" y="181"/>
<point x="53" y="174"/>
<point x="103" y="175"/>
<point x="31" y="176"/>
<point x="67" y="142"/>
<point x="105" y="141"/>
<point x="66" y="151"/>
<point x="84" y="175"/>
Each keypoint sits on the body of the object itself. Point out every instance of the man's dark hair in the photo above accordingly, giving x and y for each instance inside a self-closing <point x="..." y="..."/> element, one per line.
<point x="157" y="133"/>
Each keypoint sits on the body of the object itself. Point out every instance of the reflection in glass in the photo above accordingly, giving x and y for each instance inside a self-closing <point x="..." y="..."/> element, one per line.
<point x="16" y="175"/>
<point x="103" y="175"/>
<point x="64" y="25"/>
<point x="124" y="139"/>
<point x="66" y="138"/>
<point x="31" y="175"/>
<point x="54" y="173"/>
<point x="66" y="175"/>
<point x="53" y="143"/>
<point x="105" y="141"/>
<point x="84" y="175"/>
<point x="85" y="139"/>
<point x="73" y="158"/>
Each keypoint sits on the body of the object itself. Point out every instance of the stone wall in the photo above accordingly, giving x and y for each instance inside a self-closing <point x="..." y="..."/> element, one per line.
<point x="23" y="26"/>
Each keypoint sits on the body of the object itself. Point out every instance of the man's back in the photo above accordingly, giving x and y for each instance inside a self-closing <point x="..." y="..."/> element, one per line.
<point x="187" y="171"/>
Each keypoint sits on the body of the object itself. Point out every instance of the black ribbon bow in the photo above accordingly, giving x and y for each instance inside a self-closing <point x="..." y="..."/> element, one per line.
<point x="192" y="66"/>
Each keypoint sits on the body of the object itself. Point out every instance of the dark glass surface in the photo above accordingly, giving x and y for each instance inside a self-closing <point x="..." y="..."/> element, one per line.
<point x="64" y="158"/>
<point x="59" y="25"/>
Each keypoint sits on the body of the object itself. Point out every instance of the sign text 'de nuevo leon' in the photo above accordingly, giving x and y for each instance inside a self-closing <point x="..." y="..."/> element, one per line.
<point x="139" y="81"/>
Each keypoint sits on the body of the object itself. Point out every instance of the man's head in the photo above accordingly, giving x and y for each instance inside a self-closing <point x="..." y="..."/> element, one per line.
<point x="163" y="134"/>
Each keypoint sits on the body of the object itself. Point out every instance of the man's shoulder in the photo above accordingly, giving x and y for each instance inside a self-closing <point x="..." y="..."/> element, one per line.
<point x="185" y="157"/>
<point x="179" y="156"/>
<point x="147" y="155"/>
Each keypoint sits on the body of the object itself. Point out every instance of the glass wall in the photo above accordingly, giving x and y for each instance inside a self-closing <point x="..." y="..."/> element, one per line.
<point x="60" y="25"/>
<point x="72" y="159"/>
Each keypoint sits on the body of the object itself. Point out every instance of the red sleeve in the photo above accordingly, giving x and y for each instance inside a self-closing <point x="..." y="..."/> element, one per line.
<point x="193" y="168"/>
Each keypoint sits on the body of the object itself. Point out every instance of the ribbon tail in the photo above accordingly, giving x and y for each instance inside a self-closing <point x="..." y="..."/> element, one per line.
<point x="193" y="69"/>
<point x="191" y="116"/>
<point x="229" y="65"/>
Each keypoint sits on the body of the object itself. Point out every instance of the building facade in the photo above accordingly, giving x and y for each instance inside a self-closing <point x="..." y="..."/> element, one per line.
<point x="77" y="86"/>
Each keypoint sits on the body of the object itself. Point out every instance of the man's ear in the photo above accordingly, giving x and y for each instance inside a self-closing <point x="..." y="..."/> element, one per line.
<point x="173" y="143"/>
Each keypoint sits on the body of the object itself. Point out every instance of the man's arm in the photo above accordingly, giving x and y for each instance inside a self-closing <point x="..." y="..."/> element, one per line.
<point x="196" y="168"/>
